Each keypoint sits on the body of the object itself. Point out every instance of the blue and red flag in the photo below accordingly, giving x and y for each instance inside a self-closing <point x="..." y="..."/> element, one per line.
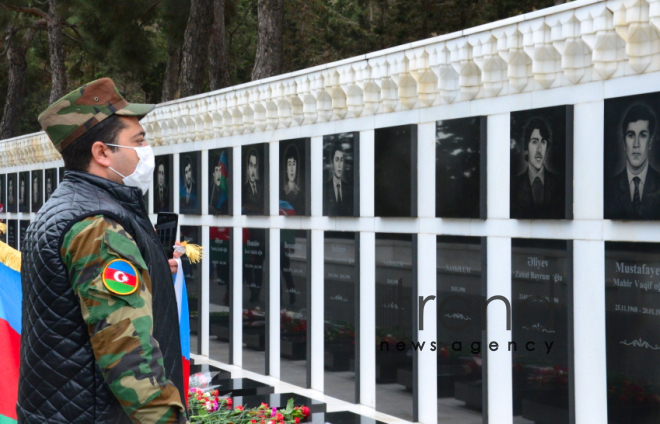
<point x="10" y="332"/>
<point x="184" y="324"/>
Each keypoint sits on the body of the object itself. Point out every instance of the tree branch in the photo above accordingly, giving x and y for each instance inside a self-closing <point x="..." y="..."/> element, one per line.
<point x="247" y="10"/>
<point x="27" y="10"/>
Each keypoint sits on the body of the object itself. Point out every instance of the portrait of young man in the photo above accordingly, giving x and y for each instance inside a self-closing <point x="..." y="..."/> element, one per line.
<point x="162" y="190"/>
<point x="189" y="183"/>
<point x="220" y="186"/>
<point x="101" y="341"/>
<point x="254" y="198"/>
<point x="12" y="190"/>
<point x="294" y="176"/>
<point x="37" y="192"/>
<point x="538" y="163"/>
<point x="632" y="183"/>
<point x="51" y="182"/>
<point x="24" y="191"/>
<point x="339" y="174"/>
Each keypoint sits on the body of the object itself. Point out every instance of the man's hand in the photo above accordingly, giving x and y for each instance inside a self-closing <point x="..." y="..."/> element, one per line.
<point x="173" y="266"/>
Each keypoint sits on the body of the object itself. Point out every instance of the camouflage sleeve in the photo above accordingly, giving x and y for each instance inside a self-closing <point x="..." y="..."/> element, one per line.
<point x="110" y="277"/>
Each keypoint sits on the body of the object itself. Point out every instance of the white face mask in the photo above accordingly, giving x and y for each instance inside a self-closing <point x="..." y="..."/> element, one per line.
<point x="144" y="171"/>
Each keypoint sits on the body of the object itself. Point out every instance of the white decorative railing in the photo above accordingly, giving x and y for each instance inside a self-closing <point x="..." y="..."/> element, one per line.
<point x="574" y="43"/>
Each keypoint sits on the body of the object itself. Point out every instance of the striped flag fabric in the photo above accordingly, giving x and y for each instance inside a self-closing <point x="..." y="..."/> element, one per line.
<point x="184" y="323"/>
<point x="10" y="331"/>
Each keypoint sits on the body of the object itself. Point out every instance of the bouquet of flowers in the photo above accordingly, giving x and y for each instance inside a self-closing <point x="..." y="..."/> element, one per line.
<point x="207" y="407"/>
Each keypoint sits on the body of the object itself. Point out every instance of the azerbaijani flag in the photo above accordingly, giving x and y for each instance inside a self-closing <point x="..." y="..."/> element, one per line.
<point x="10" y="332"/>
<point x="184" y="324"/>
<point x="120" y="277"/>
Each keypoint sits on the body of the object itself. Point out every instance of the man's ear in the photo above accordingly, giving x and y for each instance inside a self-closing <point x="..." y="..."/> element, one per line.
<point x="100" y="154"/>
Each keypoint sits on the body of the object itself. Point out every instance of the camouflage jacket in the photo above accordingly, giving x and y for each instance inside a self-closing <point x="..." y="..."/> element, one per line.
<point x="110" y="278"/>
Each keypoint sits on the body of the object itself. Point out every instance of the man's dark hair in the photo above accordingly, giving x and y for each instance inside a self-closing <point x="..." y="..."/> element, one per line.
<point x="639" y="113"/>
<point x="337" y="145"/>
<point x="187" y="161"/>
<point x="78" y="154"/>
<point x="535" y="124"/>
<point x="251" y="153"/>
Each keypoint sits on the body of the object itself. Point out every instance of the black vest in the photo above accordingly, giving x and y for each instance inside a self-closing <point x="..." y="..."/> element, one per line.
<point x="59" y="379"/>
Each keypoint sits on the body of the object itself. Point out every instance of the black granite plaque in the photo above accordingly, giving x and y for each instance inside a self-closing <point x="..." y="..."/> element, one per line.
<point x="24" y="191"/>
<point x="3" y="193"/>
<point x="341" y="176"/>
<point x="255" y="300"/>
<point x="346" y="417"/>
<point x="61" y="174"/>
<point x="542" y="163"/>
<point x="241" y="387"/>
<point x="37" y="181"/>
<point x="632" y="322"/>
<point x="254" y="183"/>
<point x="12" y="192"/>
<point x="395" y="174"/>
<point x="190" y="183"/>
<point x="541" y="336"/>
<point x="193" y="274"/>
<point x="460" y="168"/>
<point x="220" y="182"/>
<point x="220" y="294"/>
<point x="50" y="184"/>
<point x="295" y="296"/>
<point x="461" y="290"/>
<point x="163" y="184"/>
<point x="631" y="163"/>
<point x="396" y="299"/>
<point x="23" y="226"/>
<point x="341" y="300"/>
<point x="12" y="233"/>
<point x="294" y="181"/>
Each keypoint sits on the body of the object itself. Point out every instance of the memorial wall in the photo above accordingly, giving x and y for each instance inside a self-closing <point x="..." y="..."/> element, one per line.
<point x="464" y="229"/>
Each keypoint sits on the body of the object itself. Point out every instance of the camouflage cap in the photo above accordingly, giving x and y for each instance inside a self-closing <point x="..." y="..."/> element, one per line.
<point x="72" y="115"/>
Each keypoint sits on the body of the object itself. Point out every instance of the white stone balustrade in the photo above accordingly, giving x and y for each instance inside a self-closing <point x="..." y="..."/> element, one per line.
<point x="575" y="43"/>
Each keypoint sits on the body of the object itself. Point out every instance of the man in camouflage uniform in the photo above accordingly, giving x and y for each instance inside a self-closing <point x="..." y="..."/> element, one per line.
<point x="100" y="326"/>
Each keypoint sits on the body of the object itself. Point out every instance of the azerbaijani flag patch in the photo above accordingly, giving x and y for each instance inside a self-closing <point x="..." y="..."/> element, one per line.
<point x="120" y="277"/>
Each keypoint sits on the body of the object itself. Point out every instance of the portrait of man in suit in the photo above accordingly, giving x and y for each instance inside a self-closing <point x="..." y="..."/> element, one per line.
<point x="634" y="193"/>
<point x="49" y="186"/>
<point x="50" y="183"/>
<point x="161" y="193"/>
<point x="11" y="193"/>
<point x="339" y="195"/>
<point x="37" y="198"/>
<point x="339" y="174"/>
<point x="253" y="189"/>
<point x="24" y="192"/>
<point x="537" y="192"/>
<point x="189" y="194"/>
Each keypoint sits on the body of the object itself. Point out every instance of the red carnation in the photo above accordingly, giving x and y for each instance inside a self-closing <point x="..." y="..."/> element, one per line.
<point x="305" y="411"/>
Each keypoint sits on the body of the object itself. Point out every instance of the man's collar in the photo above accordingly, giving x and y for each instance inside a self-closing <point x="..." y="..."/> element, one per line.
<point x="641" y="175"/>
<point x="532" y="174"/>
<point x="336" y="180"/>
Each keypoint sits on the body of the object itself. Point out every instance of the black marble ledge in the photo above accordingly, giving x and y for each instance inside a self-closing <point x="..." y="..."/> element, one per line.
<point x="222" y="374"/>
